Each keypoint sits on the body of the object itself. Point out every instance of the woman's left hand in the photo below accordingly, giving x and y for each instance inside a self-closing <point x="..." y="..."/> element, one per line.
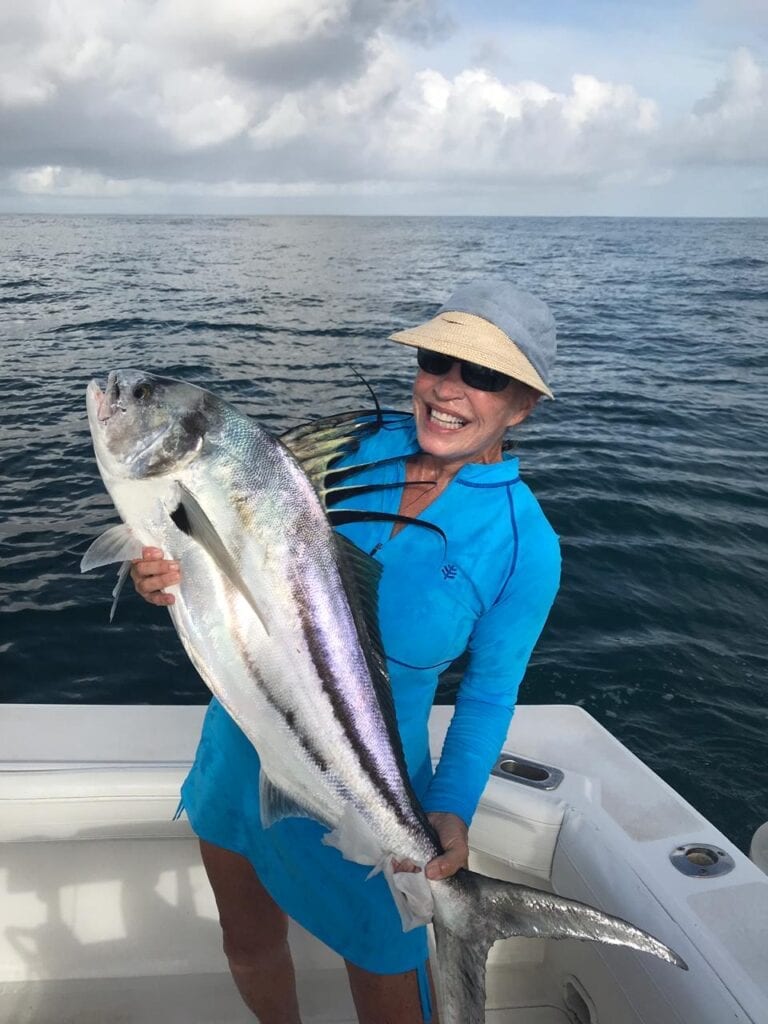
<point x="454" y="838"/>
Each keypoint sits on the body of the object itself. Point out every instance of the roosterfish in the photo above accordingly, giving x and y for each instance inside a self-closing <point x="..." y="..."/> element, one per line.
<point x="278" y="614"/>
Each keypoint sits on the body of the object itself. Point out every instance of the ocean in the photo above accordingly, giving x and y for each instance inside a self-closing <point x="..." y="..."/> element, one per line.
<point x="651" y="464"/>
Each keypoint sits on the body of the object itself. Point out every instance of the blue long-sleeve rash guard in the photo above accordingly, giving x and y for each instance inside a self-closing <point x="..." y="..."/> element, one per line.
<point x="487" y="590"/>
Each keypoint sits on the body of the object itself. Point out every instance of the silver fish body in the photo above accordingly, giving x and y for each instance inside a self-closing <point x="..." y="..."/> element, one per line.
<point x="292" y="673"/>
<point x="265" y="611"/>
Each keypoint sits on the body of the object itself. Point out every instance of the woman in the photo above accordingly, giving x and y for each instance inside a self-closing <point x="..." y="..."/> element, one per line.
<point x="484" y="361"/>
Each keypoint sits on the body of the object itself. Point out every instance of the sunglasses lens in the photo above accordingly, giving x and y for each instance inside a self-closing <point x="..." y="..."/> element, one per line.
<point x="482" y="378"/>
<point x="473" y="375"/>
<point x="433" y="362"/>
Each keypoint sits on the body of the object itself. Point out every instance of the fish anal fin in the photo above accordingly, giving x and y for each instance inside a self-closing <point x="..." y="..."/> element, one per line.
<point x="191" y="518"/>
<point x="275" y="804"/>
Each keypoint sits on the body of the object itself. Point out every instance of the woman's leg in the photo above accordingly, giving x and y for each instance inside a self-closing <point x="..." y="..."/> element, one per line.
<point x="255" y="937"/>
<point x="388" y="998"/>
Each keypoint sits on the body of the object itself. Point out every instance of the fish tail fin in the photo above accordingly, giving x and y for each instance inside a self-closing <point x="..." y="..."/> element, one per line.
<point x="472" y="911"/>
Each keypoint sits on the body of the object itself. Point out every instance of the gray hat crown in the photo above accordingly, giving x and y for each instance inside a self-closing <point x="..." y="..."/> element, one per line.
<point x="525" y="319"/>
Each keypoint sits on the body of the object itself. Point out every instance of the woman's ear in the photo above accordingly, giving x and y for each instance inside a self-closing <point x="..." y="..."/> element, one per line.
<point x="525" y="401"/>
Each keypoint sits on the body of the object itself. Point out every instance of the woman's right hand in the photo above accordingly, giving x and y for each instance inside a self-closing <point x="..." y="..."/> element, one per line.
<point x="152" y="573"/>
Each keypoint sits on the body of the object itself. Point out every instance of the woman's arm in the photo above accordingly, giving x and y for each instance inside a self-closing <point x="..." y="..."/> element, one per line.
<point x="500" y="648"/>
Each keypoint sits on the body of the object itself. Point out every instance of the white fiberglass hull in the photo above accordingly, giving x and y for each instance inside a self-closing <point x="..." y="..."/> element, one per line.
<point x="105" y="913"/>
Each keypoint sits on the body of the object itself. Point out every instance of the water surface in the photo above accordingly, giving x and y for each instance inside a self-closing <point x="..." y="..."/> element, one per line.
<point x="652" y="463"/>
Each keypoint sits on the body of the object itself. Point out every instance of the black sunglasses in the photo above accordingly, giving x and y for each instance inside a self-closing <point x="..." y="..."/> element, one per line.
<point x="474" y="376"/>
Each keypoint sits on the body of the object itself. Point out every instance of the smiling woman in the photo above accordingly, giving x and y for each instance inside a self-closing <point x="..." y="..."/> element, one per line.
<point x="462" y="409"/>
<point x="484" y="583"/>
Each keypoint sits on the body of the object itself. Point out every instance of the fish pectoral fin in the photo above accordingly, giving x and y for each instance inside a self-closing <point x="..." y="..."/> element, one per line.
<point x="275" y="804"/>
<point x="191" y="518"/>
<point x="117" y="544"/>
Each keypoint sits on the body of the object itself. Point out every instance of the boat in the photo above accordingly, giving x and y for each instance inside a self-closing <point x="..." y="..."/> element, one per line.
<point x="106" y="916"/>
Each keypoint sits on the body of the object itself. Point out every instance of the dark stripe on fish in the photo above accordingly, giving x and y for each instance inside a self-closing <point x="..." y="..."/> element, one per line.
<point x="344" y="714"/>
<point x="287" y="714"/>
<point x="289" y="717"/>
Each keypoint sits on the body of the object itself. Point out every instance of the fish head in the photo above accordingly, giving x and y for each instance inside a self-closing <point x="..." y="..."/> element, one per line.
<point x="147" y="426"/>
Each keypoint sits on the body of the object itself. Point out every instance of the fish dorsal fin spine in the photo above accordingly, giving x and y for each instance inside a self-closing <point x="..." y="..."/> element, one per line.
<point x="342" y="516"/>
<point x="344" y="492"/>
<point x="318" y="445"/>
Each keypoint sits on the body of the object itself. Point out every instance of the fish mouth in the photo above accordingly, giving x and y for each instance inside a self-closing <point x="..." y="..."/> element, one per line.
<point x="102" y="405"/>
<point x="95" y="398"/>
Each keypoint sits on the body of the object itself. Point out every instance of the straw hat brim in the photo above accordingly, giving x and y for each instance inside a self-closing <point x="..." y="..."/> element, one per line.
<point x="476" y="340"/>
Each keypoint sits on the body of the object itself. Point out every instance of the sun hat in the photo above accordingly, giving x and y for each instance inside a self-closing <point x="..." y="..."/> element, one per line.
<point x="495" y="324"/>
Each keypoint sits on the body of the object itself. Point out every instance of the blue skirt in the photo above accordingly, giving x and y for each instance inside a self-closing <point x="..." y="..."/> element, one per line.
<point x="329" y="896"/>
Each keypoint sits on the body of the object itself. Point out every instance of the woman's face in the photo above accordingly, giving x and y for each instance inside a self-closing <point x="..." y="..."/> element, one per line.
<point x="458" y="424"/>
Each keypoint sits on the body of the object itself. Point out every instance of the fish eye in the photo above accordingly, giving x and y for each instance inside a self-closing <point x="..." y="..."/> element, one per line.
<point x="142" y="391"/>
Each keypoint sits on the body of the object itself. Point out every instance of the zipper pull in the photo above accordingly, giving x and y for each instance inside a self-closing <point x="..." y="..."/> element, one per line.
<point x="378" y="547"/>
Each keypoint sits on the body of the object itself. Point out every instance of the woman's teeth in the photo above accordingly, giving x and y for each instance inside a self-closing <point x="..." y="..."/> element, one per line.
<point x="444" y="420"/>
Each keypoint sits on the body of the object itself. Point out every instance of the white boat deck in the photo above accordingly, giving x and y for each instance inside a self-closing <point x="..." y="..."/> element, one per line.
<point x="211" y="997"/>
<point x="106" y="916"/>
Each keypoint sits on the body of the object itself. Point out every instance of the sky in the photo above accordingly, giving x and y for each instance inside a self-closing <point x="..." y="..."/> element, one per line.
<point x="469" y="107"/>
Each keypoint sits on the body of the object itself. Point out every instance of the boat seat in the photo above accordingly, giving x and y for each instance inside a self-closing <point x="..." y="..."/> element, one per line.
<point x="518" y="826"/>
<point x="514" y="825"/>
<point x="91" y="802"/>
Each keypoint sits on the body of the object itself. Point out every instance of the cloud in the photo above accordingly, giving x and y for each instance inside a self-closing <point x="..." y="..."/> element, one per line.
<point x="201" y="107"/>
<point x="136" y="87"/>
<point x="308" y="97"/>
<point x="474" y="125"/>
<point x="730" y="126"/>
